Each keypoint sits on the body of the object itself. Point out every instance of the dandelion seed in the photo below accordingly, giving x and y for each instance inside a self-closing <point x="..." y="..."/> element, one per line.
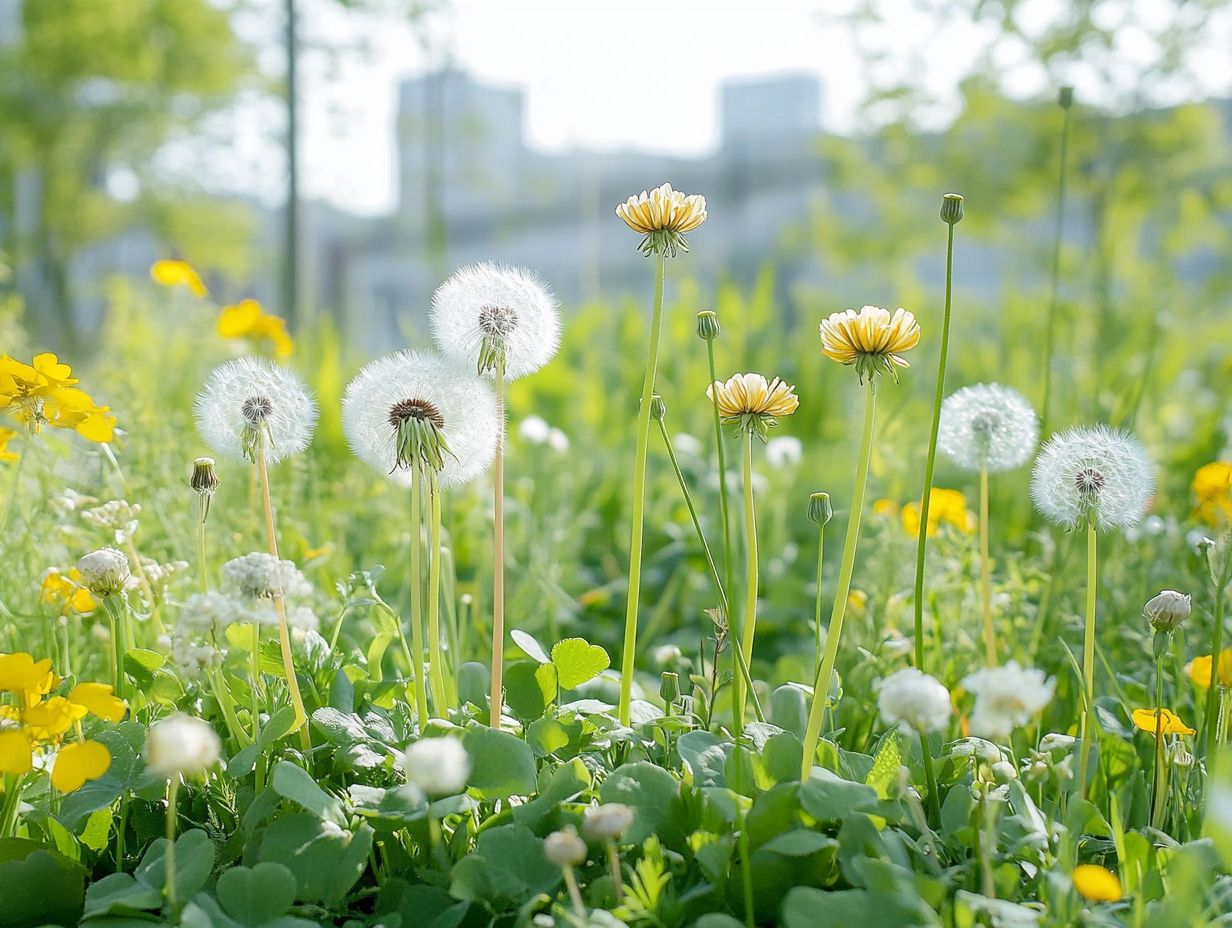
<point x="1095" y="473"/>
<point x="987" y="426"/>
<point x="252" y="405"/>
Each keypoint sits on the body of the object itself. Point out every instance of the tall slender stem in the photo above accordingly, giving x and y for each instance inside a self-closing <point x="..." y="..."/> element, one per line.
<point x="722" y="455"/>
<point x="990" y="634"/>
<point x="639" y="500"/>
<point x="203" y="573"/>
<point x="173" y="788"/>
<point x="751" y="578"/>
<point x="1157" y="779"/>
<point x="497" y="702"/>
<point x="1087" y="728"/>
<point x="1055" y="284"/>
<point x="821" y="685"/>
<point x="1215" y="684"/>
<point x="926" y="499"/>
<point x="417" y="634"/>
<point x="436" y="657"/>
<point x="280" y="605"/>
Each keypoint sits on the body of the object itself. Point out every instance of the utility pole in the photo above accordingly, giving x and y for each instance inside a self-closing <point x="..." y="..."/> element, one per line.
<point x="290" y="254"/>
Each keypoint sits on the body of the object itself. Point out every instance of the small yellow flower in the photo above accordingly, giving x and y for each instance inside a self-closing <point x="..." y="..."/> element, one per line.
<point x="1145" y="719"/>
<point x="66" y="592"/>
<point x="77" y="763"/>
<point x="15" y="752"/>
<point x="944" y="506"/>
<point x="1212" y="485"/>
<point x="43" y="394"/>
<point x="247" y="319"/>
<point x="1199" y="669"/>
<point x="663" y="215"/>
<point x="22" y="674"/>
<point x="872" y="340"/>
<point x="99" y="701"/>
<point x="177" y="274"/>
<point x="6" y="436"/>
<point x="752" y="402"/>
<point x="1097" y="884"/>
<point x="857" y="600"/>
<point x="52" y="718"/>
<point x="886" y="507"/>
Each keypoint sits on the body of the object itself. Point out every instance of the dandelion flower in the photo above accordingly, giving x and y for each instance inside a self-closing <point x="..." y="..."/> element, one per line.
<point x="252" y="404"/>
<point x="181" y="745"/>
<point x="486" y="314"/>
<point x="1146" y="720"/>
<point x="752" y="403"/>
<point x="1092" y="473"/>
<point x="987" y="426"/>
<point x="1096" y="884"/>
<point x="872" y="340"/>
<point x="170" y="273"/>
<point x="404" y="389"/>
<point x="915" y="700"/>
<point x="944" y="506"/>
<point x="1006" y="698"/>
<point x="1201" y="669"/>
<point x="663" y="215"/>
<point x="438" y="766"/>
<point x="104" y="571"/>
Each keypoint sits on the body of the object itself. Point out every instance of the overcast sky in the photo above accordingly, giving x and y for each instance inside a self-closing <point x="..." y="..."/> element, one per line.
<point x="621" y="73"/>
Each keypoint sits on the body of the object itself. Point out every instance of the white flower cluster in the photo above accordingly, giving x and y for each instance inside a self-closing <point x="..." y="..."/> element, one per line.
<point x="69" y="501"/>
<point x="1006" y="698"/>
<point x="191" y="655"/>
<point x="1092" y="473"/>
<point x="259" y="574"/>
<point x="915" y="700"/>
<point x="784" y="451"/>
<point x="987" y="425"/>
<point x="116" y="516"/>
<point x="104" y="571"/>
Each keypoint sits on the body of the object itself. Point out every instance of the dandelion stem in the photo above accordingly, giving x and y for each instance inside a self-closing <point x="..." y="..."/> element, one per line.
<point x="436" y="666"/>
<point x="1055" y="281"/>
<point x="922" y="536"/>
<point x="722" y="455"/>
<point x="821" y="555"/>
<point x="496" y="704"/>
<point x="575" y="894"/>
<point x="1215" y="683"/>
<point x="613" y="857"/>
<point x="1157" y="781"/>
<point x="417" y="634"/>
<point x="821" y="685"/>
<point x="280" y="605"/>
<point x="751" y="581"/>
<point x="990" y="635"/>
<point x="173" y="788"/>
<point x="639" y="499"/>
<point x="1087" y="727"/>
<point x="203" y="574"/>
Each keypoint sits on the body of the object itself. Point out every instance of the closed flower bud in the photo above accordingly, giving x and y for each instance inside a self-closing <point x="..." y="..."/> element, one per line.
<point x="607" y="822"/>
<point x="708" y="325"/>
<point x="1003" y="771"/>
<point x="1065" y="97"/>
<point x="181" y="746"/>
<point x="669" y="686"/>
<point x="1167" y="610"/>
<point x="951" y="208"/>
<point x="565" y="848"/>
<point x="819" y="508"/>
<point x="204" y="480"/>
<point x="658" y="408"/>
<point x="104" y="571"/>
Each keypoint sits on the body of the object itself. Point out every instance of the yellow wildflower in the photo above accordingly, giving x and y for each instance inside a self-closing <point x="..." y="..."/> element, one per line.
<point x="6" y="436"/>
<point x="78" y="762"/>
<point x="752" y="402"/>
<point x="944" y="506"/>
<point x="1096" y="883"/>
<point x="886" y="507"/>
<point x="52" y="718"/>
<point x="1145" y="719"/>
<point x="1212" y="485"/>
<point x="1199" y="669"/>
<point x="67" y="593"/>
<point x="42" y="393"/>
<point x="663" y="215"/>
<point x="872" y="340"/>
<point x="22" y="674"/>
<point x="177" y="274"/>
<point x="247" y="319"/>
<point x="15" y="752"/>
<point x="98" y="699"/>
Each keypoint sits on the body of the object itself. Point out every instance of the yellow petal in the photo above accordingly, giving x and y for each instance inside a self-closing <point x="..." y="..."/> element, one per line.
<point x="239" y="320"/>
<point x="15" y="752"/>
<point x="98" y="699"/>
<point x="1145" y="719"/>
<point x="78" y="762"/>
<point x="177" y="274"/>
<point x="1096" y="884"/>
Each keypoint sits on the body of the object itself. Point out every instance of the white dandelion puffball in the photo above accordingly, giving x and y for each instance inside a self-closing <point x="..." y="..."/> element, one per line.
<point x="987" y="425"/>
<point x="253" y="391"/>
<point x="1098" y="473"/>
<point x="181" y="745"/>
<point x="438" y="766"/>
<point x="104" y="571"/>
<point x="1006" y="697"/>
<point x="463" y="404"/>
<point x="912" y="699"/>
<point x="488" y="300"/>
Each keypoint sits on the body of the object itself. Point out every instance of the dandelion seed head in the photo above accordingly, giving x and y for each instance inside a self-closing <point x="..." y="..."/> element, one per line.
<point x="412" y="383"/>
<point x="487" y="301"/>
<point x="252" y="392"/>
<point x="987" y="425"/>
<point x="1098" y="473"/>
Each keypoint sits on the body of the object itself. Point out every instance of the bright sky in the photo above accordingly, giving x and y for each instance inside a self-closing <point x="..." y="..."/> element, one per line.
<point x="626" y="73"/>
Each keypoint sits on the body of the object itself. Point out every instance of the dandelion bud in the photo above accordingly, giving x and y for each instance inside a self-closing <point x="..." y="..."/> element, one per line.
<point x="658" y="408"/>
<point x="819" y="509"/>
<point x="204" y="479"/>
<point x="565" y="848"/>
<point x="1065" y="97"/>
<point x="952" y="208"/>
<point x="1167" y="610"/>
<point x="606" y="822"/>
<point x="708" y="325"/>
<point x="181" y="746"/>
<point x="104" y="571"/>
<point x="669" y="687"/>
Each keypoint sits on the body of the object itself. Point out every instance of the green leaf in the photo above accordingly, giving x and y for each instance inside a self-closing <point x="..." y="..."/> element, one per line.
<point x="503" y="765"/>
<point x="325" y="859"/>
<point x="297" y="784"/>
<point x="119" y="893"/>
<point x="829" y="798"/>
<point x="507" y="867"/>
<point x="530" y="646"/>
<point x="800" y="842"/>
<point x="886" y="765"/>
<point x="257" y="895"/>
<point x="279" y="725"/>
<point x="568" y="781"/>
<point x="530" y="688"/>
<point x="578" y="661"/>
<point x="125" y="743"/>
<point x="38" y="886"/>
<point x="649" y="790"/>
<point x="194" y="860"/>
<point x="705" y="756"/>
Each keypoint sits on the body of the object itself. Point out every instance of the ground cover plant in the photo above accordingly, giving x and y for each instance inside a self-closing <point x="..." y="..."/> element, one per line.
<point x="290" y="637"/>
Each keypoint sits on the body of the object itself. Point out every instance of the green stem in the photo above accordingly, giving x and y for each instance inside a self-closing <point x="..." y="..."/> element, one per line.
<point x="926" y="499"/>
<point x="173" y="786"/>
<point x="990" y="634"/>
<point x="115" y="613"/>
<point x="254" y="670"/>
<point x="639" y="500"/>
<point x="1214" y="684"/>
<point x="821" y="554"/>
<point x="13" y="784"/>
<point x="930" y="779"/>
<point x="417" y="634"/>
<point x="751" y="580"/>
<point x="718" y="439"/>
<point x="496" y="704"/>
<point x="1087" y="729"/>
<point x="1055" y="284"/>
<point x="1157" y="784"/>
<point x="440" y="697"/>
<point x="203" y="503"/>
<point x="821" y="685"/>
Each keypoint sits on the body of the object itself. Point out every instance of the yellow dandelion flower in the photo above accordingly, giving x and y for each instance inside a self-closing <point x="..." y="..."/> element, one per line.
<point x="663" y="215"/>
<point x="248" y="319"/>
<point x="872" y="340"/>
<point x="1212" y="485"/>
<point x="752" y="403"/>
<point x="944" y="507"/>
<point x="1096" y="883"/>
<point x="1145" y="719"/>
<point x="99" y="701"/>
<point x="1199" y="669"/>
<point x="15" y="752"/>
<point x="177" y="274"/>
<point x="78" y="763"/>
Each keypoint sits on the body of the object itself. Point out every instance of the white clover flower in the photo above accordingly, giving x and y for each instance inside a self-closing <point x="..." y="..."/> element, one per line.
<point x="213" y="612"/>
<point x="438" y="766"/>
<point x="565" y="848"/>
<point x="181" y="745"/>
<point x="191" y="656"/>
<point x="250" y="394"/>
<point x="460" y="406"/>
<point x="1057" y="743"/>
<point x="1006" y="698"/>
<point x="258" y="575"/>
<point x="784" y="451"/>
<point x="606" y="822"/>
<point x="104" y="571"/>
<point x="912" y="699"/>
<point x="987" y="425"/>
<point x="70" y="501"/>
<point x="1092" y="473"/>
<point x="117" y="516"/>
<point x="485" y="310"/>
<point x="534" y="430"/>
